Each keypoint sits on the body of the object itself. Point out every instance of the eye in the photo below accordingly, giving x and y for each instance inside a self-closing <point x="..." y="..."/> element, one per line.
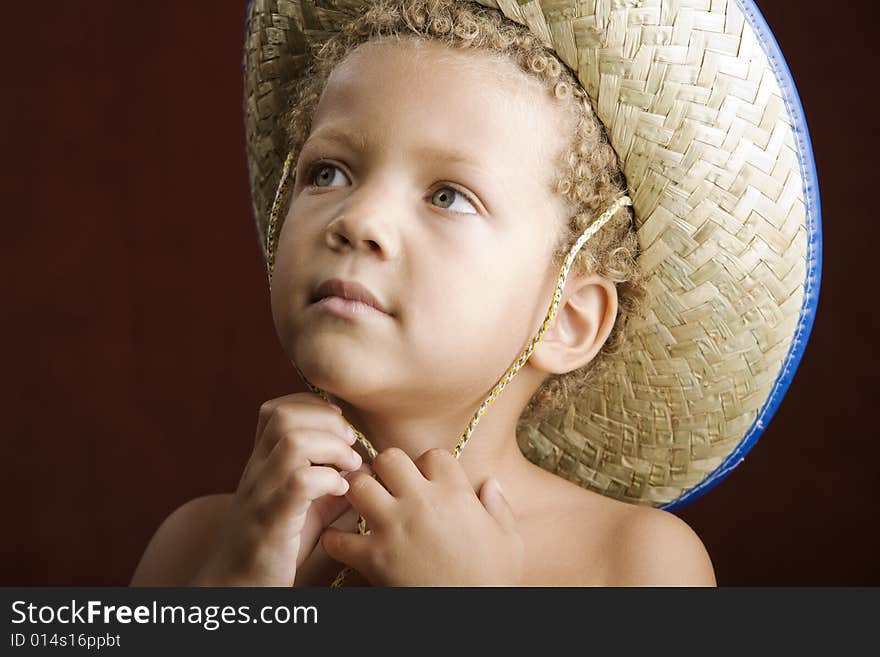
<point x="319" y="172"/>
<point x="446" y="195"/>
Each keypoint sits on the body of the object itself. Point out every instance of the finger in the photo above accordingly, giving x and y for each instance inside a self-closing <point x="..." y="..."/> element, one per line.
<point x="311" y="397"/>
<point x="370" y="499"/>
<point x="293" y="452"/>
<point x="298" y="491"/>
<point x="269" y="406"/>
<point x="263" y="416"/>
<point x="330" y="507"/>
<point x="305" y="396"/>
<point x="350" y="548"/>
<point x="311" y="447"/>
<point x="492" y="497"/>
<point x="364" y="469"/>
<point x="439" y="464"/>
<point x="397" y="471"/>
<point x="290" y="418"/>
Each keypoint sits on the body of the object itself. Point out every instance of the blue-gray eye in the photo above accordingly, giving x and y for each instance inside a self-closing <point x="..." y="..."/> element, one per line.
<point x="445" y="196"/>
<point x="318" y="173"/>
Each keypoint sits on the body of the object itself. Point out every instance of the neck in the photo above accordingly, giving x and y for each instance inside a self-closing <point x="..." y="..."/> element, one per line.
<point x="491" y="450"/>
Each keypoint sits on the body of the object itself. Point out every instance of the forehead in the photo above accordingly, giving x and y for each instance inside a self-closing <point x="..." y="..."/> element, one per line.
<point x="425" y="99"/>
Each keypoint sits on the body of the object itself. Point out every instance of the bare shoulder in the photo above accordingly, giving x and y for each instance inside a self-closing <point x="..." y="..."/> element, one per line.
<point x="652" y="547"/>
<point x="180" y="544"/>
<point x="596" y="540"/>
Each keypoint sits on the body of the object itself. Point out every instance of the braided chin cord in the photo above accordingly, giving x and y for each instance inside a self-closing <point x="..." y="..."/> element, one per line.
<point x="502" y="382"/>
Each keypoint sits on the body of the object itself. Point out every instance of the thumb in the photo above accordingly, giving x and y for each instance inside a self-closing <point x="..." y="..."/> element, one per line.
<point x="496" y="504"/>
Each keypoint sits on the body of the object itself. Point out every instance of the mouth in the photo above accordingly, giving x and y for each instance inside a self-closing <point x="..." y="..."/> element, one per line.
<point x="349" y="298"/>
<point x="346" y="308"/>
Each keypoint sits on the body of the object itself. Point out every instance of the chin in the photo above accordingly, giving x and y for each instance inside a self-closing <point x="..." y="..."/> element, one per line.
<point x="363" y="385"/>
<point x="346" y="373"/>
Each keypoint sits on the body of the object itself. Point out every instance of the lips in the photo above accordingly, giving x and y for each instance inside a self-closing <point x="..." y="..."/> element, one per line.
<point x="336" y="287"/>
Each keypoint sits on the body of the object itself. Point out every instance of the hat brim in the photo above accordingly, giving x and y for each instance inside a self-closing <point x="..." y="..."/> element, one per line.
<point x="706" y="120"/>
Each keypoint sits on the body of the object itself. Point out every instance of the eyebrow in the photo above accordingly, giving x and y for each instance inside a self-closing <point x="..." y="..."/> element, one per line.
<point x="332" y="134"/>
<point x="442" y="154"/>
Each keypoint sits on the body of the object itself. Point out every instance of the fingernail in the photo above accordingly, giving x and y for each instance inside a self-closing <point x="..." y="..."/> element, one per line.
<point x="338" y="410"/>
<point x="498" y="486"/>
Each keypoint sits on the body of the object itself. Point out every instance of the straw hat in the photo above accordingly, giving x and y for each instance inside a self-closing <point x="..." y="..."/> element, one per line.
<point x="702" y="111"/>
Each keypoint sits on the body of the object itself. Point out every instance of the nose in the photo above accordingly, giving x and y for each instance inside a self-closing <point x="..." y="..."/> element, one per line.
<point x="365" y="223"/>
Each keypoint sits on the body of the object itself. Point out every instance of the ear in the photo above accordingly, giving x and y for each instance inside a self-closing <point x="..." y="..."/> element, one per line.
<point x="584" y="319"/>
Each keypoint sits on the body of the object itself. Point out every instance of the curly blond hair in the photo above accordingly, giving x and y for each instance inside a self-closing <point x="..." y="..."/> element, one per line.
<point x="587" y="177"/>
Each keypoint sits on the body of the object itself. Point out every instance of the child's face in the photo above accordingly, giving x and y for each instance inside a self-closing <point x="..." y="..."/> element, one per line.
<point x="458" y="251"/>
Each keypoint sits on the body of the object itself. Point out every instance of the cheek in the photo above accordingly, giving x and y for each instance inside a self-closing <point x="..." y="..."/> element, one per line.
<point x="289" y="289"/>
<point x="477" y="315"/>
<point x="281" y="299"/>
<point x="452" y="292"/>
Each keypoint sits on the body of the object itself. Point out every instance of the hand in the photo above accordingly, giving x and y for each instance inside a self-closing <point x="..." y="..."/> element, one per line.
<point x="428" y="528"/>
<point x="286" y="495"/>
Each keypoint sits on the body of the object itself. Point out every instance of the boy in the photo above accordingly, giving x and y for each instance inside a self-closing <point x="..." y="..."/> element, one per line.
<point x="444" y="172"/>
<point x="409" y="367"/>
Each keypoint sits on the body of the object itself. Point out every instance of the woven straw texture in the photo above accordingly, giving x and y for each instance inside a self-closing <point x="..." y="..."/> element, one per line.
<point x="694" y="110"/>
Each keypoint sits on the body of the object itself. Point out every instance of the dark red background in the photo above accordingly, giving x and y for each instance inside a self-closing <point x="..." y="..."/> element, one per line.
<point x="138" y="342"/>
